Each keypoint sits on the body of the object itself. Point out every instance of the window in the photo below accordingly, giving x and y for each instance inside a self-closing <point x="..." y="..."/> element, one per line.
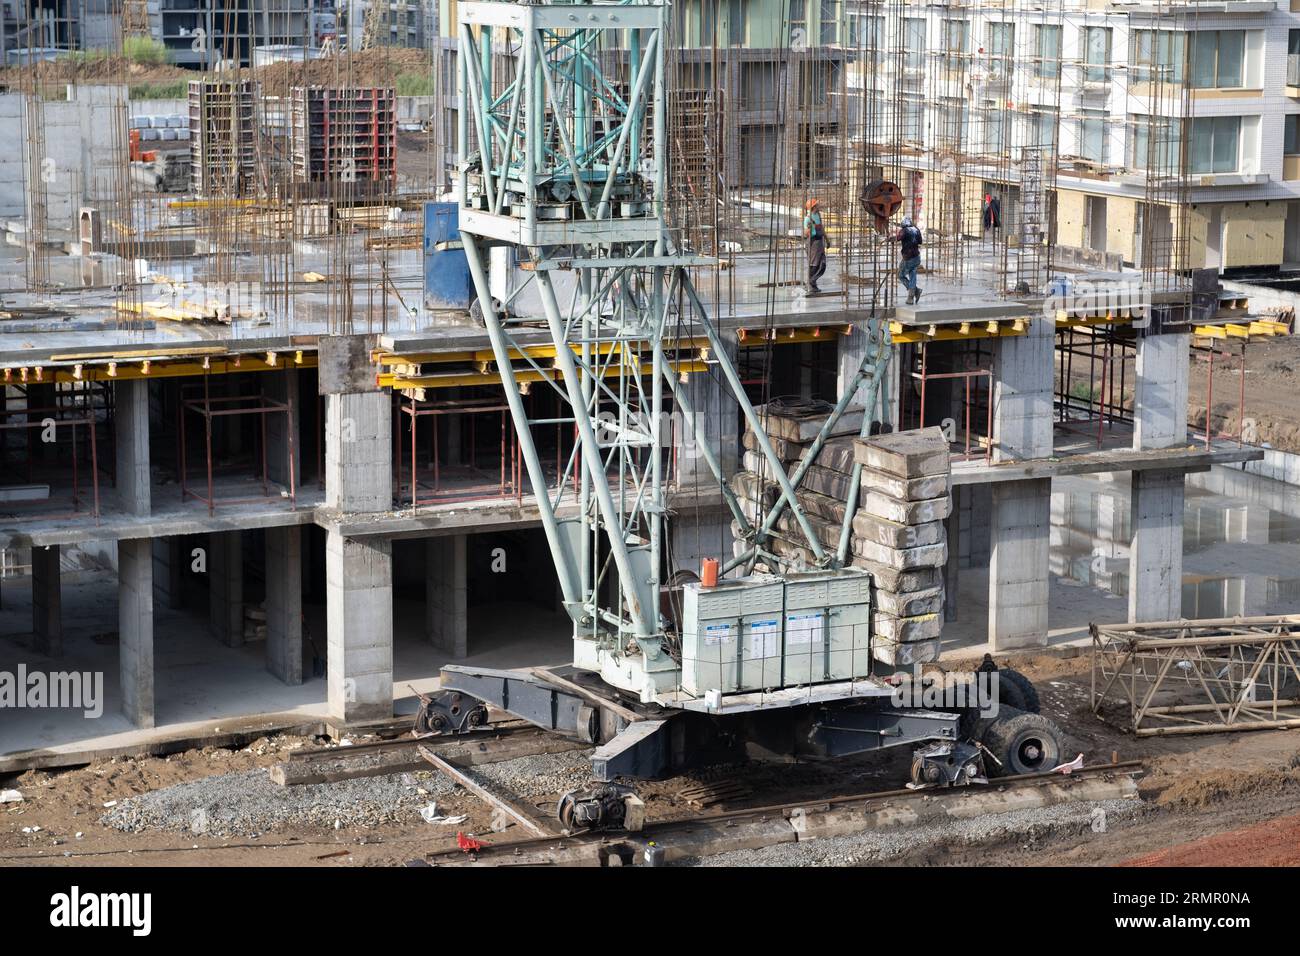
<point x="953" y="119"/>
<point x="1092" y="136"/>
<point x="913" y="122"/>
<point x="708" y="26"/>
<point x="735" y="23"/>
<point x="1000" y="47"/>
<point x="799" y="20"/>
<point x="1293" y="58"/>
<point x="830" y="21"/>
<point x="1155" y="143"/>
<point x="1214" y="144"/>
<point x="989" y="128"/>
<point x="1217" y="58"/>
<point x="1048" y="50"/>
<point x="914" y="43"/>
<point x="1291" y="140"/>
<point x="1156" y="55"/>
<point x="1096" y="54"/>
<point x="1040" y="129"/>
<point x="867" y="34"/>
<point x="955" y="36"/>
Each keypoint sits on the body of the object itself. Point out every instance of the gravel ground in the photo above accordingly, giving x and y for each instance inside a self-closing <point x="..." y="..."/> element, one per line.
<point x="248" y="803"/>
<point x="538" y="776"/>
<point x="883" y="846"/>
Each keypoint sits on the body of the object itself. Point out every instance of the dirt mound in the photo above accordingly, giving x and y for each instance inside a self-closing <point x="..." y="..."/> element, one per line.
<point x="1208" y="789"/>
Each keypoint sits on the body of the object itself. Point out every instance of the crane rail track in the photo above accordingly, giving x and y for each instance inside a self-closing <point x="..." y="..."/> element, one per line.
<point x="495" y="853"/>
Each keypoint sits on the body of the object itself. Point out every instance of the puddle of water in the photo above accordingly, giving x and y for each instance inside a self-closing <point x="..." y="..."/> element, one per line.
<point x="1241" y="541"/>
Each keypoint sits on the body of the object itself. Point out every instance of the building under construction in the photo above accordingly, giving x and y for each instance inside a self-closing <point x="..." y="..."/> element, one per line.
<point x="258" y="458"/>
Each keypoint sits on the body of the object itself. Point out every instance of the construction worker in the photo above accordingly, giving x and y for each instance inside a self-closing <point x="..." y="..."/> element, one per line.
<point x="816" y="233"/>
<point x="992" y="214"/>
<point x="909" y="236"/>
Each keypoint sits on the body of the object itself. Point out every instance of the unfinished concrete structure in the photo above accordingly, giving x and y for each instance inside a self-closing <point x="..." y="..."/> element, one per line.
<point x="268" y="443"/>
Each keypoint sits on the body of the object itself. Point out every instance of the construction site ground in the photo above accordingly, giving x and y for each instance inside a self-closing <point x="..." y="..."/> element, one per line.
<point x="1212" y="799"/>
<point x="1272" y="398"/>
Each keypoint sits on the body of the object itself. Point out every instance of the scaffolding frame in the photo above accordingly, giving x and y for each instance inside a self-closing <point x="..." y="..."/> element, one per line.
<point x="412" y="409"/>
<point x="227" y="406"/>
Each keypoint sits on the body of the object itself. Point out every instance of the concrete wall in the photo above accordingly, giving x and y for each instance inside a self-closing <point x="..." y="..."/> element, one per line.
<point x="79" y="144"/>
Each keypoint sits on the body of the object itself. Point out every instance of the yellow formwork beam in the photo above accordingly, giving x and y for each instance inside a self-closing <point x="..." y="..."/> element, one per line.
<point x="1066" y="321"/>
<point x="522" y="376"/>
<point x="210" y="203"/>
<point x="126" y="367"/>
<point x="950" y="332"/>
<point x="756" y="338"/>
<point x="484" y="356"/>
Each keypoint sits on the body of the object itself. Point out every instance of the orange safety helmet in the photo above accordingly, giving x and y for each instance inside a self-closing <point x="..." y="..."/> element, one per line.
<point x="810" y="203"/>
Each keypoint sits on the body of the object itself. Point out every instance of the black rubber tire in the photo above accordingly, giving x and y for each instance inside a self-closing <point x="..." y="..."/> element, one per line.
<point x="1023" y="743"/>
<point x="1024" y="687"/>
<point x="1010" y="693"/>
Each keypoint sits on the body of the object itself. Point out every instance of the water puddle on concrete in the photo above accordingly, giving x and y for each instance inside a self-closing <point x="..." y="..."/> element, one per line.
<point x="1241" y="541"/>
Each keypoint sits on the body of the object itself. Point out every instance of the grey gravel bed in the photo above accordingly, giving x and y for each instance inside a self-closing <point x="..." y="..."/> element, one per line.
<point x="249" y="803"/>
<point x="882" y="846"/>
<point x="538" y="775"/>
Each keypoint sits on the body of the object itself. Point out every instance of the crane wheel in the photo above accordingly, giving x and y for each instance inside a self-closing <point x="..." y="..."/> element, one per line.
<point x="1023" y="695"/>
<point x="1023" y="742"/>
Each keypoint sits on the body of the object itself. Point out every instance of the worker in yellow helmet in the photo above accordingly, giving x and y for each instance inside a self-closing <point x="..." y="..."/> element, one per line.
<point x="816" y="233"/>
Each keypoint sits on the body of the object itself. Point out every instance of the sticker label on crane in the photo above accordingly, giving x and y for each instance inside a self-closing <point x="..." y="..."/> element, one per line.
<point x="804" y="628"/>
<point x="764" y="639"/>
<point x="715" y="634"/>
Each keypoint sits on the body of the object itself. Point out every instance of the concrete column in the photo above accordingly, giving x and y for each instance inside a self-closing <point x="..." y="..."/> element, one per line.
<point x="47" y="604"/>
<point x="135" y="629"/>
<point x="852" y="350"/>
<point x="1018" y="571"/>
<point x="359" y="451"/>
<point x="1021" y="517"/>
<point x="131" y="422"/>
<point x="359" y="579"/>
<point x="446" y="592"/>
<point x="226" y="587"/>
<point x="717" y="421"/>
<point x="358" y="571"/>
<point x="1155" y="580"/>
<point x="1022" y="393"/>
<point x="695" y="537"/>
<point x="1160" y="395"/>
<point x="169" y="572"/>
<point x="283" y="387"/>
<point x="284" y="603"/>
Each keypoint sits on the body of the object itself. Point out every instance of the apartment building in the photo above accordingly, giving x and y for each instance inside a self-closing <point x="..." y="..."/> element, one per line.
<point x="1138" y="103"/>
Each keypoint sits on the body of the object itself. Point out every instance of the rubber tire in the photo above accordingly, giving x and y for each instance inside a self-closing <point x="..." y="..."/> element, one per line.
<point x="1010" y="692"/>
<point x="1024" y="686"/>
<point x="1005" y="736"/>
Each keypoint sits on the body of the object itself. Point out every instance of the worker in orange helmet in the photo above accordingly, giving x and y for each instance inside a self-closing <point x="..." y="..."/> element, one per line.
<point x="816" y="233"/>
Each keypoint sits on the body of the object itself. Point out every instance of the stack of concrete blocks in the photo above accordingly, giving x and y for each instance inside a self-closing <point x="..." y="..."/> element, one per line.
<point x="904" y="501"/>
<point x="898" y="531"/>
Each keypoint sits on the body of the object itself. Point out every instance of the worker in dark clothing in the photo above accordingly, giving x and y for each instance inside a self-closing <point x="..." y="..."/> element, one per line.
<point x="992" y="212"/>
<point x="816" y="233"/>
<point x="909" y="236"/>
